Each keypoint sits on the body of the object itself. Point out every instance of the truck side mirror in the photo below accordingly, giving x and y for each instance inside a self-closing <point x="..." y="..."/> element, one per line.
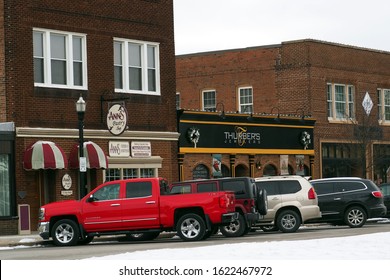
<point x="91" y="198"/>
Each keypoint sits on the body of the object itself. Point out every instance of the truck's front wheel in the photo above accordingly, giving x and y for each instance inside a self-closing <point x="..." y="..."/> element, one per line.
<point x="191" y="227"/>
<point x="65" y="233"/>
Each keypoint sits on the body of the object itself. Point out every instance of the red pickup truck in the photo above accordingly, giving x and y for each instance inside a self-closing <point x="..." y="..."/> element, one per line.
<point x="135" y="207"/>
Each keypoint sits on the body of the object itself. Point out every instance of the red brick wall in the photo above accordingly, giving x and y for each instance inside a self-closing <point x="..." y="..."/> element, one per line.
<point x="225" y="71"/>
<point x="101" y="21"/>
<point x="292" y="77"/>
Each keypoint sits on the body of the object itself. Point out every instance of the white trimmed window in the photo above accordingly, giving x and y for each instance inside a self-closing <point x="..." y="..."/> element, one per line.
<point x="209" y="100"/>
<point x="60" y="59"/>
<point x="245" y="100"/>
<point x="136" y="67"/>
<point x="383" y="104"/>
<point x="341" y="102"/>
<point x="129" y="173"/>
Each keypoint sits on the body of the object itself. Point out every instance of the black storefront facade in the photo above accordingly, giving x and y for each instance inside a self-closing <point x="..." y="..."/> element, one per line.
<point x="219" y="144"/>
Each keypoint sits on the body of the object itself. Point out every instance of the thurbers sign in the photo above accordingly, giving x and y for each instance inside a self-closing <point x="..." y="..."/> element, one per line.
<point x="117" y="119"/>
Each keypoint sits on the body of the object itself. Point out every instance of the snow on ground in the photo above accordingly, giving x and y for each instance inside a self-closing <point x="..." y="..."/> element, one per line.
<point x="361" y="247"/>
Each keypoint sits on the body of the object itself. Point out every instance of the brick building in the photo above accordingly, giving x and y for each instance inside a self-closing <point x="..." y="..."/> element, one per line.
<point x="344" y="89"/>
<point x="113" y="54"/>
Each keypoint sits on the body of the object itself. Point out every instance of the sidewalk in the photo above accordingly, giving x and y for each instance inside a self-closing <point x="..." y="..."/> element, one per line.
<point x="20" y="240"/>
<point x="34" y="239"/>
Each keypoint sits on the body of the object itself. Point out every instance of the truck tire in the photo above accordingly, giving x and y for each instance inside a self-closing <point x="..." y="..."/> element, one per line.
<point x="262" y="202"/>
<point x="142" y="236"/>
<point x="288" y="221"/>
<point x="236" y="228"/>
<point x="65" y="233"/>
<point x="191" y="227"/>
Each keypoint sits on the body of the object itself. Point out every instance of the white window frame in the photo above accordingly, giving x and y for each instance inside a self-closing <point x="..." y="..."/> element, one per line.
<point x="242" y="107"/>
<point x="348" y="102"/>
<point x="383" y="106"/>
<point x="205" y="107"/>
<point x="126" y="88"/>
<point x="141" y="165"/>
<point x="47" y="71"/>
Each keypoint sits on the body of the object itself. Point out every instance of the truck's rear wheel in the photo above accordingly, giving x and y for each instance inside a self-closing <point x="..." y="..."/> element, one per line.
<point x="191" y="227"/>
<point x="65" y="233"/>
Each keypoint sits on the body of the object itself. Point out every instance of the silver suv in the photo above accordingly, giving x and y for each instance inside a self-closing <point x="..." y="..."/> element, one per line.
<point x="292" y="200"/>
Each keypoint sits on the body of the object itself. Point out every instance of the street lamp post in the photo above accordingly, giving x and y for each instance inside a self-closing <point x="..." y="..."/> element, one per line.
<point x="80" y="108"/>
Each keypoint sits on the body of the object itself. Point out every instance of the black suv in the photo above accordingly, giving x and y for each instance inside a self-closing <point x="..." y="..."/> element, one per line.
<point x="251" y="203"/>
<point x="348" y="200"/>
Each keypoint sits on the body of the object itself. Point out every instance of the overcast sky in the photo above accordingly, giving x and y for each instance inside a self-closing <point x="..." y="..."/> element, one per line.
<point x="207" y="25"/>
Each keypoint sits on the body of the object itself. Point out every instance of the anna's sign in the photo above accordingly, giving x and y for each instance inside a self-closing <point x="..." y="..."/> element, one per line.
<point x="117" y="119"/>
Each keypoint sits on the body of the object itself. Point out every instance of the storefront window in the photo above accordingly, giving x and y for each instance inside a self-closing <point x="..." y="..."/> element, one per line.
<point x="112" y="174"/>
<point x="5" y="207"/>
<point x="130" y="173"/>
<point x="269" y="170"/>
<point x="201" y="172"/>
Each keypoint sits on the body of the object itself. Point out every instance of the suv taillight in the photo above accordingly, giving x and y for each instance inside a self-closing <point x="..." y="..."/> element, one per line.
<point x="377" y="194"/>
<point x="312" y="194"/>
<point x="225" y="201"/>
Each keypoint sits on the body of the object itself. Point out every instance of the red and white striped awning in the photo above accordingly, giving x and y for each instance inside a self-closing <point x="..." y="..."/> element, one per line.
<point x="96" y="158"/>
<point x="44" y="155"/>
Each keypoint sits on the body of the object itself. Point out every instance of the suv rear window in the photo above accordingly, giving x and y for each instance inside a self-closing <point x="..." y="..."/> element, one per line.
<point x="238" y="187"/>
<point x="323" y="188"/>
<point x="279" y="187"/>
<point x="289" y="187"/>
<point x="349" y="186"/>
<point x="207" y="187"/>
<point x="272" y="187"/>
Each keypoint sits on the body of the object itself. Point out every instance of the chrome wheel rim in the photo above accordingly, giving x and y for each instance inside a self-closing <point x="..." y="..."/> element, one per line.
<point x="288" y="221"/>
<point x="355" y="217"/>
<point x="64" y="233"/>
<point x="190" y="228"/>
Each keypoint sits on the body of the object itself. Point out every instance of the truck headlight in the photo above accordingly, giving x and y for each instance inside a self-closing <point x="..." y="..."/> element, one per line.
<point x="41" y="215"/>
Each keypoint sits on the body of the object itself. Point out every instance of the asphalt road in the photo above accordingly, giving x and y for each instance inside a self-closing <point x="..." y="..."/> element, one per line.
<point x="104" y="247"/>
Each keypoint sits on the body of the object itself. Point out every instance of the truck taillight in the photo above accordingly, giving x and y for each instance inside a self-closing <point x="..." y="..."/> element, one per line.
<point x="311" y="194"/>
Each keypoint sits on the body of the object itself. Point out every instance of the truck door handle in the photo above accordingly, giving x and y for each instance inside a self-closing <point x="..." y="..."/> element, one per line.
<point x="337" y="198"/>
<point x="115" y="204"/>
<point x="150" y="202"/>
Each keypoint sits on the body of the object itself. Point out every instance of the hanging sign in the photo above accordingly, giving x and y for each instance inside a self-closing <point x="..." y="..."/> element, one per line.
<point x="216" y="165"/>
<point x="117" y="119"/>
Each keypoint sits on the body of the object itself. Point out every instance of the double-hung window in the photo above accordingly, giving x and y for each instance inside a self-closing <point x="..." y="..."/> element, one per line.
<point x="341" y="102"/>
<point x="383" y="105"/>
<point x="246" y="100"/>
<point x="136" y="67"/>
<point x="59" y="59"/>
<point x="209" y="100"/>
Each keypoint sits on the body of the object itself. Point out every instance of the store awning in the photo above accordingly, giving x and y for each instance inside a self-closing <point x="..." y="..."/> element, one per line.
<point x="96" y="158"/>
<point x="44" y="155"/>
